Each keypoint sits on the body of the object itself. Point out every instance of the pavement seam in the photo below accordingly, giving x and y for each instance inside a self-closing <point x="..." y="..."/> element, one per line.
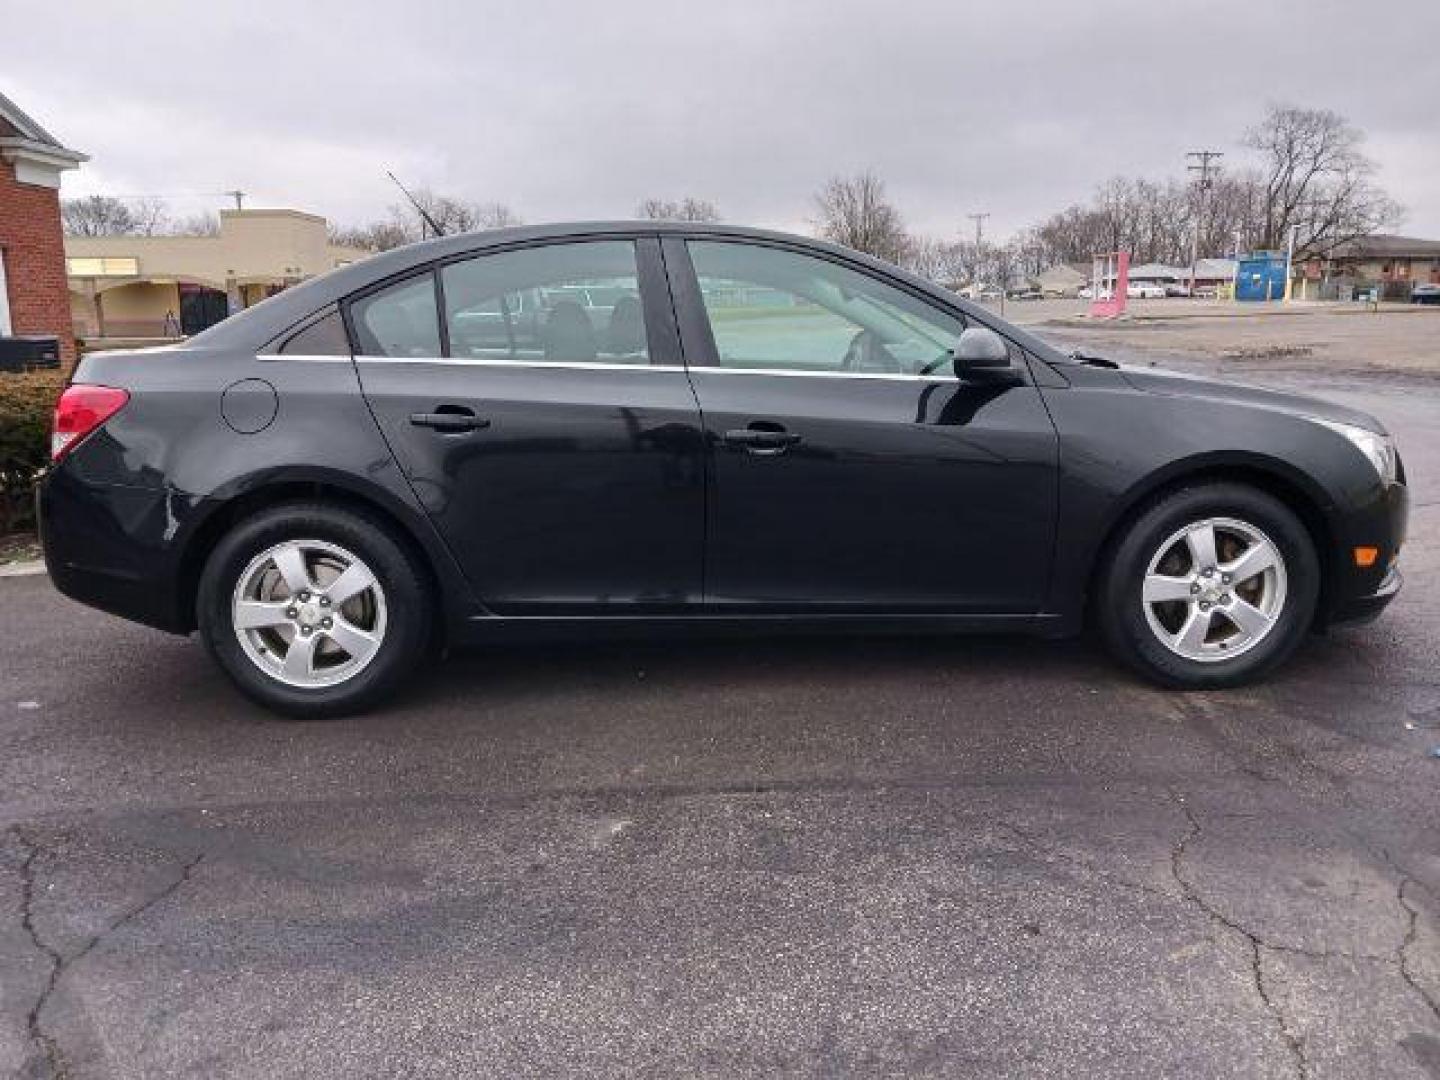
<point x="1257" y="967"/>
<point x="47" y="1044"/>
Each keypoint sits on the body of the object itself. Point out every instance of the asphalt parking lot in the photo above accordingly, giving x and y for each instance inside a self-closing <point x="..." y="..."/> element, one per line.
<point x="957" y="857"/>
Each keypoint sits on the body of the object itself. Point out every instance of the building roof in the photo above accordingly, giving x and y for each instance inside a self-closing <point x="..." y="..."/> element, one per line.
<point x="1157" y="271"/>
<point x="16" y="127"/>
<point x="1387" y="245"/>
<point x="36" y="156"/>
<point x="1214" y="268"/>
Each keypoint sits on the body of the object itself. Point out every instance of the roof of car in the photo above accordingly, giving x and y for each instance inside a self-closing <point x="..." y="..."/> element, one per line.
<point x="258" y="326"/>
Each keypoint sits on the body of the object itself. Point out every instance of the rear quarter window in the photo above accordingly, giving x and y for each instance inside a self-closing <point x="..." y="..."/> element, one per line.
<point x="324" y="337"/>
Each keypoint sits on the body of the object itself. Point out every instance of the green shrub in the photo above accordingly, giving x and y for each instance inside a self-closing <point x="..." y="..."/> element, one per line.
<point x="27" y="403"/>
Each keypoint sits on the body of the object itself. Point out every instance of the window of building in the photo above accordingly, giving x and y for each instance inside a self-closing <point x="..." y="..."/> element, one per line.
<point x="398" y="321"/>
<point x="559" y="303"/>
<point x="103" y="266"/>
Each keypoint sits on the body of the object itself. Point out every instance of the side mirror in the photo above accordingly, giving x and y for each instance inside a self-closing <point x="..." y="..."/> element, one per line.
<point x="981" y="351"/>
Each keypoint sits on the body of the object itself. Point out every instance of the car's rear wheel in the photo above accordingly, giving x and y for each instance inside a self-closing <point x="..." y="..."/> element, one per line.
<point x="314" y="610"/>
<point x="1210" y="586"/>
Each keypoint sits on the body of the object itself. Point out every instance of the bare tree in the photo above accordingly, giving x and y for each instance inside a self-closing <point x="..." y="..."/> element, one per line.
<point x="930" y="258"/>
<point x="1316" y="179"/>
<point x="687" y="209"/>
<point x="854" y="211"/>
<point x="206" y="223"/>
<point x="106" y="215"/>
<point x="405" y="224"/>
<point x="96" y="215"/>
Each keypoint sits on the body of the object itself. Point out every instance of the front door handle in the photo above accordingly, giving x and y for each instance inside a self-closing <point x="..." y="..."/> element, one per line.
<point x="762" y="440"/>
<point x="450" y="418"/>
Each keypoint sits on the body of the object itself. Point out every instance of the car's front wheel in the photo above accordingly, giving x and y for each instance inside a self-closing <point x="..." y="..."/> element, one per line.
<point x="1210" y="586"/>
<point x="313" y="610"/>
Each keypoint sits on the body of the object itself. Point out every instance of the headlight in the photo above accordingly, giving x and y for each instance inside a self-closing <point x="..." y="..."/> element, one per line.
<point x="1378" y="449"/>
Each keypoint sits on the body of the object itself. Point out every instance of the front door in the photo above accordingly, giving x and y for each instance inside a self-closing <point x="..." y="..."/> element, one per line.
<point x="850" y="470"/>
<point x="536" y="400"/>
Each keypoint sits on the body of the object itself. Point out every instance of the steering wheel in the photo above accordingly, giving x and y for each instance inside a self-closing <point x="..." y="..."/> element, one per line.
<point x="868" y="354"/>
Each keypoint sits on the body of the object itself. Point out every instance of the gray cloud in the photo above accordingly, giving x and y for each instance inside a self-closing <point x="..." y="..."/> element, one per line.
<point x="571" y="110"/>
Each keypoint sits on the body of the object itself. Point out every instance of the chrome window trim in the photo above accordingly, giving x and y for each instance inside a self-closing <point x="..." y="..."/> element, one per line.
<point x="578" y="365"/>
<point x="307" y="358"/>
<point x="789" y="373"/>
<point x="468" y="361"/>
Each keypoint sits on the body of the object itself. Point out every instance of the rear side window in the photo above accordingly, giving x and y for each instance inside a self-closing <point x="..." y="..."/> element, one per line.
<point x="323" y="337"/>
<point x="398" y="321"/>
<point x="559" y="303"/>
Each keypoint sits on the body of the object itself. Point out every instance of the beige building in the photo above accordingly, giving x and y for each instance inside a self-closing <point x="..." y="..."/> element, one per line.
<point x="166" y="286"/>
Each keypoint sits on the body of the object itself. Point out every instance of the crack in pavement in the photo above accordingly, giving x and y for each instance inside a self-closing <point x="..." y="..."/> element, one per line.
<point x="1257" y="965"/>
<point x="1412" y="930"/>
<point x="48" y="1046"/>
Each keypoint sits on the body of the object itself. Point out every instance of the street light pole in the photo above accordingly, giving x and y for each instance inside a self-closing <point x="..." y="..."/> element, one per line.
<point x="1290" y="261"/>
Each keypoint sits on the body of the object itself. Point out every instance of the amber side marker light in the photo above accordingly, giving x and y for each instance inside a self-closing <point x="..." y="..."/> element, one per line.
<point x="1366" y="556"/>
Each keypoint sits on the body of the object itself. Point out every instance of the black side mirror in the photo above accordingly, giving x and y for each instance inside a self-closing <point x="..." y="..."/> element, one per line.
<point x="981" y="352"/>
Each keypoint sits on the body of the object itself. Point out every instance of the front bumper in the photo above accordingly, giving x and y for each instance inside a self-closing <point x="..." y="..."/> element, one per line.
<point x="1364" y="609"/>
<point x="1358" y="595"/>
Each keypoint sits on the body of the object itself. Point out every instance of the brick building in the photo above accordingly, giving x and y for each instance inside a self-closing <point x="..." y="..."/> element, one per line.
<point x="34" y="295"/>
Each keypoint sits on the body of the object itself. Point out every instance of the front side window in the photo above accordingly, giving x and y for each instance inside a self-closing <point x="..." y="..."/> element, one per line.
<point x="398" y="321"/>
<point x="770" y="308"/>
<point x="560" y="303"/>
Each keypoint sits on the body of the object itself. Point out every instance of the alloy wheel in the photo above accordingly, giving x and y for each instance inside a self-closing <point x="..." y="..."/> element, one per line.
<point x="309" y="613"/>
<point x="1214" y="589"/>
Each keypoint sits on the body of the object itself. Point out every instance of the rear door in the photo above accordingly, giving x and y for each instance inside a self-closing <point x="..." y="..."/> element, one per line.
<point x="536" y="399"/>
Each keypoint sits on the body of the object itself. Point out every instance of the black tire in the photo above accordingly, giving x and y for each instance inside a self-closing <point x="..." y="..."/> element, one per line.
<point x="1120" y="610"/>
<point x="406" y="595"/>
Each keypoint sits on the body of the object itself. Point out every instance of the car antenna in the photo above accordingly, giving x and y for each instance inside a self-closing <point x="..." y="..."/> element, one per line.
<point x="424" y="214"/>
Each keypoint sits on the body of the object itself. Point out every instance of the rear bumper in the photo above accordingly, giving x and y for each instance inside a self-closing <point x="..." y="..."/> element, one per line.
<point x="108" y="546"/>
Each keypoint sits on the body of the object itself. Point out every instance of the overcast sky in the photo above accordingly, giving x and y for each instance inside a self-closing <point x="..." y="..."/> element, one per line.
<point x="579" y="110"/>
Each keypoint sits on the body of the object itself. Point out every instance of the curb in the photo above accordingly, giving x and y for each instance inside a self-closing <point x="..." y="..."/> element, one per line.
<point x="28" y="568"/>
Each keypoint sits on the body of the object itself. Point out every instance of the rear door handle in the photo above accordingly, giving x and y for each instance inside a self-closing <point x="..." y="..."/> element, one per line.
<point x="762" y="440"/>
<point x="450" y="419"/>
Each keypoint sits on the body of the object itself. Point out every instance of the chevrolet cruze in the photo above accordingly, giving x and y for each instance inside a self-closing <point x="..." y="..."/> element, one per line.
<point x="578" y="430"/>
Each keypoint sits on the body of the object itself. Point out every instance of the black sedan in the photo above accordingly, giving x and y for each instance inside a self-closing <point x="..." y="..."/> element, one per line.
<point x="616" y="427"/>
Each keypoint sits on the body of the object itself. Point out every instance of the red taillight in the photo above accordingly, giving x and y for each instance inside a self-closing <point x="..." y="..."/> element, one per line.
<point x="80" y="410"/>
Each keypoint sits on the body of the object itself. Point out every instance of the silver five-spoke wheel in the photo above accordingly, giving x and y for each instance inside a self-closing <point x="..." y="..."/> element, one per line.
<point x="309" y="613"/>
<point x="1214" y="589"/>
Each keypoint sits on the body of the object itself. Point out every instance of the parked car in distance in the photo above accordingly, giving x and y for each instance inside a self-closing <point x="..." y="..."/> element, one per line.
<point x="981" y="292"/>
<point x="1025" y="294"/>
<point x="598" y="429"/>
<point x="1144" y="290"/>
<point x="1425" y="293"/>
<point x="1176" y="288"/>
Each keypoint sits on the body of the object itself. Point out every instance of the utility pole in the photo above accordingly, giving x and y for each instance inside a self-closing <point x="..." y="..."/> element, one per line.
<point x="238" y="196"/>
<point x="1201" y="164"/>
<point x="979" y="220"/>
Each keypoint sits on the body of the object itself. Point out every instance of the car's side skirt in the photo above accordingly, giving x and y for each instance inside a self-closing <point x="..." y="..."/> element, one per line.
<point x="501" y="629"/>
